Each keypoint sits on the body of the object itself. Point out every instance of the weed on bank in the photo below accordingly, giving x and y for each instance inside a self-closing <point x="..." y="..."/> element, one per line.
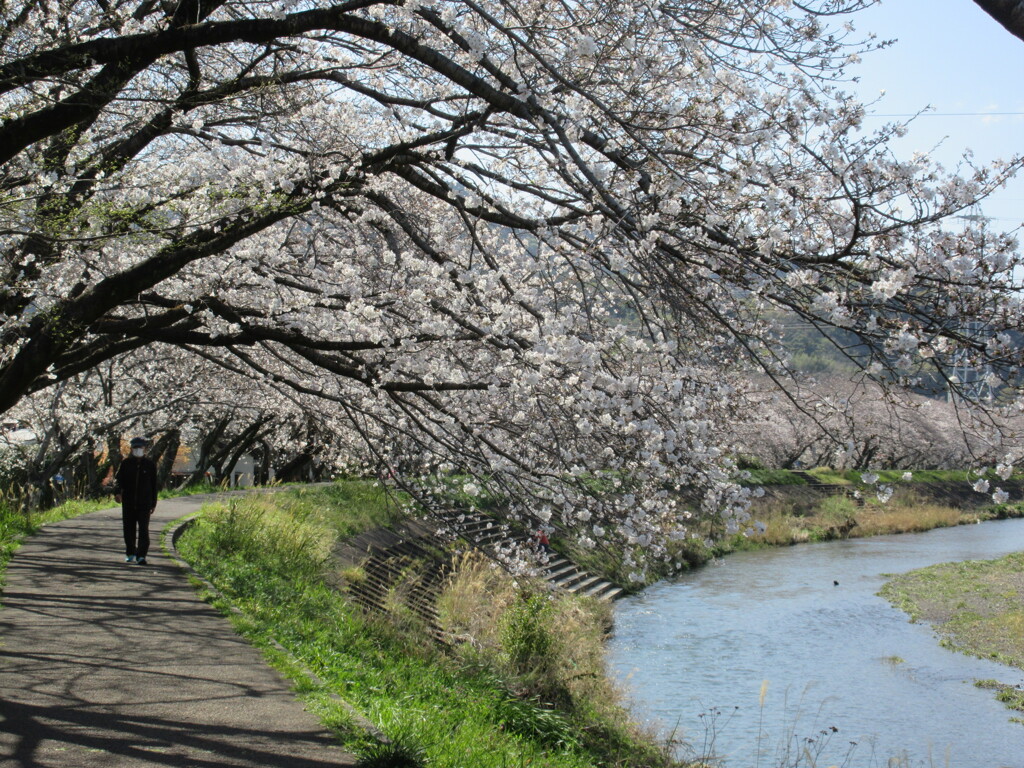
<point x="976" y="607"/>
<point x="775" y="523"/>
<point x="508" y="692"/>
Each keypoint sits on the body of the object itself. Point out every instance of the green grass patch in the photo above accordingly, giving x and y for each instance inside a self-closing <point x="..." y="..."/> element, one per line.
<point x="193" y="490"/>
<point x="761" y="476"/>
<point x="976" y="606"/>
<point x="1010" y="695"/>
<point x="352" y="506"/>
<point x="831" y="476"/>
<point x="772" y="477"/>
<point x="268" y="553"/>
<point x="893" y="476"/>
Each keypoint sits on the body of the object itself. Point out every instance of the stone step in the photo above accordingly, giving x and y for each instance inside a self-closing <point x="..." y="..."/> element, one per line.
<point x="560" y="570"/>
<point x="569" y="579"/>
<point x="581" y="585"/>
<point x="599" y="588"/>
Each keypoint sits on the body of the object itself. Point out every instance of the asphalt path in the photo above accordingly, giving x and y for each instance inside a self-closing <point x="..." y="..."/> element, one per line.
<point x="108" y="664"/>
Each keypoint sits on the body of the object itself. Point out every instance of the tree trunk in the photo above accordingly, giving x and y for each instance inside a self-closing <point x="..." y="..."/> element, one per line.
<point x="229" y="454"/>
<point x="203" y="461"/>
<point x="168" y="445"/>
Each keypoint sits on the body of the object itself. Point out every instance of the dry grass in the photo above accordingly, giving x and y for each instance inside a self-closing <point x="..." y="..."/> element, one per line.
<point x="784" y="529"/>
<point x="881" y="520"/>
<point x="842" y="517"/>
<point x="475" y="597"/>
<point x="548" y="646"/>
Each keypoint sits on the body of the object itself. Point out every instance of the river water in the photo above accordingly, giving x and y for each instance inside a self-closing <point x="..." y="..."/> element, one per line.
<point x="694" y="653"/>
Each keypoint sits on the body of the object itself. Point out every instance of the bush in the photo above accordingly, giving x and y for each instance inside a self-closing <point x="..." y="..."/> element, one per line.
<point x="253" y="529"/>
<point x="549" y="647"/>
<point x="837" y="510"/>
<point x="525" y="633"/>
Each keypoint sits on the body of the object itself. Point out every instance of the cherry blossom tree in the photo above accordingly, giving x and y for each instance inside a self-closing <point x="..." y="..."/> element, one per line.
<point x="855" y="424"/>
<point x="187" y="406"/>
<point x="530" y="243"/>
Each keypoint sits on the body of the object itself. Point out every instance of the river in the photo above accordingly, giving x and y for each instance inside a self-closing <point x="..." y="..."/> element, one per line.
<point x="693" y="654"/>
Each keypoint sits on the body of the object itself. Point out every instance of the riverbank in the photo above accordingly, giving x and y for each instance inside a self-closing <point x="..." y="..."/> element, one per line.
<point x="793" y="515"/>
<point x="528" y="670"/>
<point x="976" y="607"/>
<point x="520" y="679"/>
<point x="524" y="676"/>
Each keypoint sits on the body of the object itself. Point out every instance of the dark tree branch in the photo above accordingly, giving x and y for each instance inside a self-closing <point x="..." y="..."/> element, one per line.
<point x="1009" y="13"/>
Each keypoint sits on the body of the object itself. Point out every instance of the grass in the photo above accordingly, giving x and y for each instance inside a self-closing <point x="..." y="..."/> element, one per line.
<point x="976" y="606"/>
<point x="525" y="697"/>
<point x="353" y="506"/>
<point x="774" y="523"/>
<point x="772" y="477"/>
<point x="1010" y="695"/>
<point x="853" y="476"/>
<point x="907" y="515"/>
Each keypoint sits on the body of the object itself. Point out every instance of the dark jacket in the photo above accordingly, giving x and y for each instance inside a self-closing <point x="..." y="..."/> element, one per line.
<point x="136" y="482"/>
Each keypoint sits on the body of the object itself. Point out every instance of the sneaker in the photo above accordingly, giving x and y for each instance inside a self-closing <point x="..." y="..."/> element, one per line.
<point x="129" y="558"/>
<point x="140" y="560"/>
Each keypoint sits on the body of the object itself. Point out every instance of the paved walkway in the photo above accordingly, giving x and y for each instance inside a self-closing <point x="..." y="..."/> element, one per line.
<point x="108" y="664"/>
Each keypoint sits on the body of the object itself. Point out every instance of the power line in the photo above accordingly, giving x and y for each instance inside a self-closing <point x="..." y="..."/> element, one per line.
<point x="948" y="114"/>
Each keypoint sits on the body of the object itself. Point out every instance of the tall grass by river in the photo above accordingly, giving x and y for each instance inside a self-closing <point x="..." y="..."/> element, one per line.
<point x="522" y="685"/>
<point x="775" y="524"/>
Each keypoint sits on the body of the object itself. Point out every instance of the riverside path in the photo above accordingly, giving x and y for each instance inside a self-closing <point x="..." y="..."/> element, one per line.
<point x="108" y="664"/>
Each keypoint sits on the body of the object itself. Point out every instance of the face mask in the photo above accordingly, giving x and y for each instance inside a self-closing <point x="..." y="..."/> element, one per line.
<point x="140" y="452"/>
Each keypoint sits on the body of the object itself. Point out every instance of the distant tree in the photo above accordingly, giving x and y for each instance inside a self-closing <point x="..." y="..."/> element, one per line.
<point x="185" y="405"/>
<point x="849" y="424"/>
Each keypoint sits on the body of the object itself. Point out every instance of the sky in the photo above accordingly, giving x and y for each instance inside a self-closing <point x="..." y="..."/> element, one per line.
<point x="953" y="57"/>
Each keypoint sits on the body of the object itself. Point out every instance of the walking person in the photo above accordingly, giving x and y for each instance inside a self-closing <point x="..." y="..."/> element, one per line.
<point x="135" y="490"/>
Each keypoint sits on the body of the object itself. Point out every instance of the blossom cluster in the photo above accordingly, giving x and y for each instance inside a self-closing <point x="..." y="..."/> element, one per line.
<point x="536" y="245"/>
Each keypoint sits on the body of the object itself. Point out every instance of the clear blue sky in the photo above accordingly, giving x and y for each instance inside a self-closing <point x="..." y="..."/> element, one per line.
<point x="951" y="56"/>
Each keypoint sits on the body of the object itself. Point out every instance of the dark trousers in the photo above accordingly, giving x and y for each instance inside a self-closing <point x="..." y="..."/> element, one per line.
<point x="136" y="530"/>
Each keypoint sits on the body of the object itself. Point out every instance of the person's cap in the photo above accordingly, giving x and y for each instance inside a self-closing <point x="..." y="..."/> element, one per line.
<point x="139" y="442"/>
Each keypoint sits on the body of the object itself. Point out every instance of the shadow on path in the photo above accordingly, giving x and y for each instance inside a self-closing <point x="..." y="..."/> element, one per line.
<point x="104" y="664"/>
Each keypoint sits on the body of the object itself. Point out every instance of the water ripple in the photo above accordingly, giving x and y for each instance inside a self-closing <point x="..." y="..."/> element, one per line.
<point x="834" y="656"/>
